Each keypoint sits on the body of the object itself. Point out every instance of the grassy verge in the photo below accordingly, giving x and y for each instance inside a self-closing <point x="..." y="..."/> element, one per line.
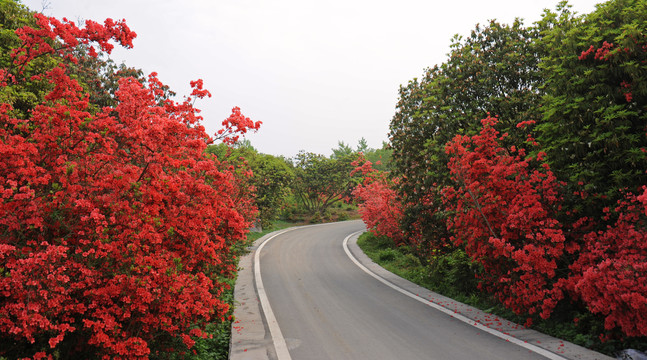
<point x="451" y="276"/>
<point x="339" y="211"/>
<point x="276" y="225"/>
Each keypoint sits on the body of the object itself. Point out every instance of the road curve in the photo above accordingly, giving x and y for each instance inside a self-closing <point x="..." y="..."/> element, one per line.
<point x="327" y="307"/>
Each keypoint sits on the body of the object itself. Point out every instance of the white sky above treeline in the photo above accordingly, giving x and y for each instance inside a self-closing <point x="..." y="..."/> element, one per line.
<point x="314" y="72"/>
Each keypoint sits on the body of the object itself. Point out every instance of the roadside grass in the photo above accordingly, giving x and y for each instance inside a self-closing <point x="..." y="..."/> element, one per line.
<point x="383" y="251"/>
<point x="451" y="277"/>
<point x="276" y="225"/>
<point x="340" y="211"/>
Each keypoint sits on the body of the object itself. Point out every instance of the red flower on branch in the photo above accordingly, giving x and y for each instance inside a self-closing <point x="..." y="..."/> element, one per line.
<point x="115" y="226"/>
<point x="503" y="214"/>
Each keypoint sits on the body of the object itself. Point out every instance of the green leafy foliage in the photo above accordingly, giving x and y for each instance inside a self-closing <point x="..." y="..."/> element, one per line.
<point x="12" y="16"/>
<point x="494" y="70"/>
<point x="593" y="126"/>
<point x="320" y="182"/>
<point x="581" y="79"/>
<point x="271" y="176"/>
<point x="380" y="158"/>
<point x="23" y="96"/>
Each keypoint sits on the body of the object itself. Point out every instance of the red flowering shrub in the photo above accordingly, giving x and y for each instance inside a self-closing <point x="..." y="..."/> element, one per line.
<point x="610" y="275"/>
<point x="115" y="227"/>
<point x="502" y="211"/>
<point x="378" y="204"/>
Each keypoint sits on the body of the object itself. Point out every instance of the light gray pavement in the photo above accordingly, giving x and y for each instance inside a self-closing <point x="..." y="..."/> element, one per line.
<point x="328" y="308"/>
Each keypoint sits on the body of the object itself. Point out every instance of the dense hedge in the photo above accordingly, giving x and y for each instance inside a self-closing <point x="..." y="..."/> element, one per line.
<point x="525" y="151"/>
<point x="116" y="227"/>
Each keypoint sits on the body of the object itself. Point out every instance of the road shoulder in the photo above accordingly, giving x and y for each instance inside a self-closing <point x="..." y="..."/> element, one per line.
<point x="250" y="336"/>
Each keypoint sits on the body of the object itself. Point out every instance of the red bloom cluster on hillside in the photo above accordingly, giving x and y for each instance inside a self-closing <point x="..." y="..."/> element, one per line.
<point x="115" y="227"/>
<point x="502" y="211"/>
<point x="378" y="203"/>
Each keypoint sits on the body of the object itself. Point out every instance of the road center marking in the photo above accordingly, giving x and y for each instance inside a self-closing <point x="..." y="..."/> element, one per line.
<point x="531" y="347"/>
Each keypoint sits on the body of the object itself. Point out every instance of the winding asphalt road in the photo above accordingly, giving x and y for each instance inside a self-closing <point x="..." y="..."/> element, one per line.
<point x="327" y="307"/>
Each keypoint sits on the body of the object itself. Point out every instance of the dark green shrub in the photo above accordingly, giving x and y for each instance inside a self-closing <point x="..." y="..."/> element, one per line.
<point x="454" y="271"/>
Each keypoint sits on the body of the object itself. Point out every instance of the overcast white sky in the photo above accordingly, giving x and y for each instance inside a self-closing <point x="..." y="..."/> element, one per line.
<point x="314" y="72"/>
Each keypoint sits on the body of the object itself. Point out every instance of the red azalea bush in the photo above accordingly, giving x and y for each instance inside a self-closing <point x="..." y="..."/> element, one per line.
<point x="544" y="247"/>
<point x="115" y="228"/>
<point x="502" y="212"/>
<point x="378" y="204"/>
<point x="610" y="275"/>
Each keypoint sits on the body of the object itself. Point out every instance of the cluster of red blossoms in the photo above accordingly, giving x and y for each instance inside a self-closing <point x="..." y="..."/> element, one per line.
<point x="504" y="210"/>
<point x="379" y="206"/>
<point x="115" y="227"/>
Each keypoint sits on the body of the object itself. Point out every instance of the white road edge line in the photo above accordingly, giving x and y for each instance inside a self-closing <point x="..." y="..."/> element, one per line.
<point x="531" y="347"/>
<point x="280" y="345"/>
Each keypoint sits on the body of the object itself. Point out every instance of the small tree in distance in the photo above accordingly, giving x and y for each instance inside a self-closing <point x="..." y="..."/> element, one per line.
<point x="320" y="182"/>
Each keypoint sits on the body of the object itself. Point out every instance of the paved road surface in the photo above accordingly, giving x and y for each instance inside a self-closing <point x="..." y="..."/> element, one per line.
<point x="328" y="308"/>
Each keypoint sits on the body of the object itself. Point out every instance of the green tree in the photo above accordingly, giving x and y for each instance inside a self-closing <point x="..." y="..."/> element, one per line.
<point x="593" y="125"/>
<point x="320" y="182"/>
<point x="13" y="15"/>
<point x="493" y="70"/>
<point x="342" y="150"/>
<point x="99" y="75"/>
<point x="271" y="176"/>
<point x="26" y="94"/>
<point x="362" y="146"/>
<point x="381" y="158"/>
